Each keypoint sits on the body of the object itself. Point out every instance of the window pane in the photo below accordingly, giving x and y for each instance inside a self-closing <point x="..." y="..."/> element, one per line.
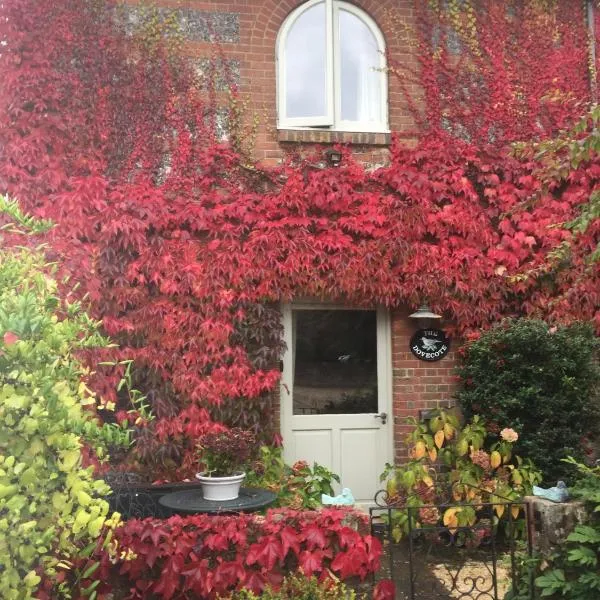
<point x="360" y="82"/>
<point x="305" y="66"/>
<point x="335" y="362"/>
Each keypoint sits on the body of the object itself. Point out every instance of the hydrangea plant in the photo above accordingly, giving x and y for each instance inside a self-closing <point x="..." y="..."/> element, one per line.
<point x="460" y="467"/>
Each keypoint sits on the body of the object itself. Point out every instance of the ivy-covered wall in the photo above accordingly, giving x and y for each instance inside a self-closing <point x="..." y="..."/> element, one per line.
<point x="184" y="246"/>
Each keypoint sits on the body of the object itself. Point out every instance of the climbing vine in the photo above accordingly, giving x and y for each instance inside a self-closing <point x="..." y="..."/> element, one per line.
<point x="185" y="249"/>
<point x="493" y="73"/>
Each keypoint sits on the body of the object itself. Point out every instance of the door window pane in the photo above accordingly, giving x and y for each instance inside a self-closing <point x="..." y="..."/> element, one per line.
<point x="360" y="81"/>
<point x="335" y="361"/>
<point x="306" y="65"/>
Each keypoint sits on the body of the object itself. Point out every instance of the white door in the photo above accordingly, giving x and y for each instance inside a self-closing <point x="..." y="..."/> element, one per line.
<point x="336" y="392"/>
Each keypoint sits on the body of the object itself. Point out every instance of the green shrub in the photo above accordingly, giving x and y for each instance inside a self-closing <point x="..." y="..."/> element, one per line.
<point x="541" y="381"/>
<point x="300" y="587"/>
<point x="573" y="571"/>
<point x="297" y="486"/>
<point x="50" y="506"/>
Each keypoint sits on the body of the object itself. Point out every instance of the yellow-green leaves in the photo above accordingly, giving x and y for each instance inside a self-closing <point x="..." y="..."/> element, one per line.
<point x="495" y="459"/>
<point x="50" y="506"/>
<point x="81" y="520"/>
<point x="31" y="580"/>
<point x="95" y="526"/>
<point x="70" y="460"/>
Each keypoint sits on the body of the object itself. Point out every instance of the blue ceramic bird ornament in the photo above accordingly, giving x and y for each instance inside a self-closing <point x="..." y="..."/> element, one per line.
<point x="344" y="499"/>
<point x="558" y="493"/>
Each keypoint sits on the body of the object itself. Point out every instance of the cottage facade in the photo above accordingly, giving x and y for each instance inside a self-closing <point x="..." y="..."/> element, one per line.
<point x="315" y="74"/>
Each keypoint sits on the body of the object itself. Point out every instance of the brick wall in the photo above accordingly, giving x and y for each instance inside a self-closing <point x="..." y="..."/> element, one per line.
<point x="247" y="32"/>
<point x="416" y="385"/>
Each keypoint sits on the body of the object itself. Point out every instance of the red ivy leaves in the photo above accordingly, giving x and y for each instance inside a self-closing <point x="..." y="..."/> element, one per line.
<point x="171" y="556"/>
<point x="267" y="552"/>
<point x="311" y="562"/>
<point x="314" y="537"/>
<point x="290" y="541"/>
<point x="384" y="590"/>
<point x="186" y="265"/>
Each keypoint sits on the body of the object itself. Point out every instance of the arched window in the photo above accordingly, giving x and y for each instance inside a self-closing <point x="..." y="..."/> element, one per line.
<point x="331" y="69"/>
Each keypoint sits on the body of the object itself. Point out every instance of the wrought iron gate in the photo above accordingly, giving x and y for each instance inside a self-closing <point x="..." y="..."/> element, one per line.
<point x="439" y="557"/>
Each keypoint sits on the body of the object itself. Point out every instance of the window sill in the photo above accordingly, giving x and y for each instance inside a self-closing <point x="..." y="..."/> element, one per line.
<point x="325" y="136"/>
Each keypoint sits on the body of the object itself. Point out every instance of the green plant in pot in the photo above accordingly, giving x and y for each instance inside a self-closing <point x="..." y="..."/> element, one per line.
<point x="224" y="456"/>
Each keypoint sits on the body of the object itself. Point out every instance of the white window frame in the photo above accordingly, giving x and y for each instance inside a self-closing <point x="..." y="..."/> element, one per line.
<point x="332" y="119"/>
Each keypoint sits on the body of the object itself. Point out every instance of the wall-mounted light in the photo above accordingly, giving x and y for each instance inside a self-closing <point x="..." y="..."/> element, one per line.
<point x="334" y="157"/>
<point x="424" y="313"/>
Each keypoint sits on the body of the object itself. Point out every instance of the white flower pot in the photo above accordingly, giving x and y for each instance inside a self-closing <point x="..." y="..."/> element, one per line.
<point x="221" y="488"/>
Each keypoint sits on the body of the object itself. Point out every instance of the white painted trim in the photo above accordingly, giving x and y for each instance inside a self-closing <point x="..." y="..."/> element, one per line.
<point x="286" y="407"/>
<point x="384" y="376"/>
<point x="347" y="127"/>
<point x="331" y="121"/>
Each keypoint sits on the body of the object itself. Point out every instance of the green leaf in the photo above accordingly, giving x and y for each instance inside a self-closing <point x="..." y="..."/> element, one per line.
<point x="585" y="534"/>
<point x="583" y="556"/>
<point x="91" y="569"/>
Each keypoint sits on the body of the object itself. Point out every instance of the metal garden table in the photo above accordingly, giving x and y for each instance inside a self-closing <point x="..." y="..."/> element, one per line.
<point x="189" y="502"/>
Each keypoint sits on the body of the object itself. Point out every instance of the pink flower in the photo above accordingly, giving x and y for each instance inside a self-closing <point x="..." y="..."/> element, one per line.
<point x="10" y="338"/>
<point x="509" y="435"/>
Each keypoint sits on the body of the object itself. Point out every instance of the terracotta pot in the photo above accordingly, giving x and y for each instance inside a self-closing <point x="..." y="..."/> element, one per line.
<point x="221" y="488"/>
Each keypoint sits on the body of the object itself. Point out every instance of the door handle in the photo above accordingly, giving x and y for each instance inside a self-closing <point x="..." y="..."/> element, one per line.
<point x="382" y="416"/>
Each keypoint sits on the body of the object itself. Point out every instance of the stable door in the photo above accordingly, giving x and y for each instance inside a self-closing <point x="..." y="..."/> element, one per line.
<point x="335" y="392"/>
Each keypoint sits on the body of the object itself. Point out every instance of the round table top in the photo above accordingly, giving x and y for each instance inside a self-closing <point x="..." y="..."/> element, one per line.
<point x="192" y="501"/>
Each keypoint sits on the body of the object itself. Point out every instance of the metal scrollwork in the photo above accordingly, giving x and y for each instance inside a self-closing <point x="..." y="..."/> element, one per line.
<point x="130" y="496"/>
<point x="383" y="499"/>
<point x="433" y="556"/>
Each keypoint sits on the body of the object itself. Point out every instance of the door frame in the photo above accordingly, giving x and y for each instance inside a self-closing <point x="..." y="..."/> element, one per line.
<point x="384" y="370"/>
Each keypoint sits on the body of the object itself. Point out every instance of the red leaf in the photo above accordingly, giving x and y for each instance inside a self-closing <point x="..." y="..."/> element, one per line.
<point x="153" y="532"/>
<point x="311" y="562"/>
<point x="315" y="537"/>
<point x="228" y="574"/>
<point x="290" y="539"/>
<point x="199" y="577"/>
<point x="216" y="541"/>
<point x="256" y="582"/>
<point x="168" y="582"/>
<point x="265" y="552"/>
<point x="352" y="562"/>
<point x="384" y="590"/>
<point x="347" y="536"/>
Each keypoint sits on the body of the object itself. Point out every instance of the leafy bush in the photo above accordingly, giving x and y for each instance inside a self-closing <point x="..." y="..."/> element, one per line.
<point x="50" y="504"/>
<point x="205" y="555"/>
<point x="574" y="570"/>
<point x="302" y="588"/>
<point x="297" y="486"/>
<point x="474" y="476"/>
<point x="541" y="381"/>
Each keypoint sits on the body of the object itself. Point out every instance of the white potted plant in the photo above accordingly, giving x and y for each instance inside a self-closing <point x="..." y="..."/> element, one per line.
<point x="223" y="456"/>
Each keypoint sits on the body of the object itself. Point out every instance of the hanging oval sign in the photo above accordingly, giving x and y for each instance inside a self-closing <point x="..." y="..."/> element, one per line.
<point x="429" y="344"/>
